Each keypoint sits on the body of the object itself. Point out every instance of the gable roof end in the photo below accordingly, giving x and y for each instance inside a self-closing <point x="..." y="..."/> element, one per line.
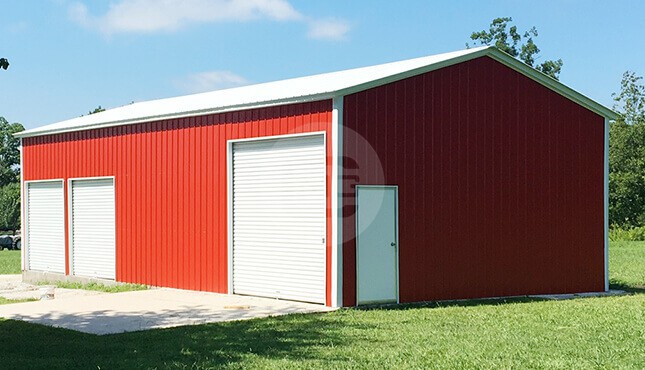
<point x="303" y="89"/>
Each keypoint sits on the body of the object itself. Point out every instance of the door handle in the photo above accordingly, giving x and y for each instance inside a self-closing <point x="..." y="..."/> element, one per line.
<point x="393" y="244"/>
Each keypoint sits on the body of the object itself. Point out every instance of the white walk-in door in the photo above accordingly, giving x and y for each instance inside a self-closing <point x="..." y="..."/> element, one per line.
<point x="279" y="218"/>
<point x="93" y="228"/>
<point x="45" y="230"/>
<point x="376" y="247"/>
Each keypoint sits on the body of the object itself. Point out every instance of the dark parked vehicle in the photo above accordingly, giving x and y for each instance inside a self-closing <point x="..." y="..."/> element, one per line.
<point x="10" y="242"/>
<point x="6" y="241"/>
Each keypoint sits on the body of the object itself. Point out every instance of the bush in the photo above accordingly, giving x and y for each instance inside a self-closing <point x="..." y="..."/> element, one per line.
<point x="627" y="234"/>
<point x="10" y="207"/>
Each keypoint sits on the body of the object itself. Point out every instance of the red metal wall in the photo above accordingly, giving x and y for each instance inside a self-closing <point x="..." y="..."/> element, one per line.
<point x="170" y="183"/>
<point x="500" y="183"/>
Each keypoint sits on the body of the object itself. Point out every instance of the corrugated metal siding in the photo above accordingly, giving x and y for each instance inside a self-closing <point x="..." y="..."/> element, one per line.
<point x="500" y="183"/>
<point x="279" y="218"/>
<point x="171" y="186"/>
<point x="93" y="228"/>
<point x="45" y="226"/>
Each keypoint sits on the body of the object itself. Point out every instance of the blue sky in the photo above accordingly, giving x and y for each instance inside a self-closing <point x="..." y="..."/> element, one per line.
<point x="69" y="56"/>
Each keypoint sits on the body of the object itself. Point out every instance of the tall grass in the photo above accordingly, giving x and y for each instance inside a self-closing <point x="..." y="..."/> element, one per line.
<point x="630" y="234"/>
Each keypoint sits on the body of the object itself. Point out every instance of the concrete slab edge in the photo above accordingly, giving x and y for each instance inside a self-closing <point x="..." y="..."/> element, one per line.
<point x="35" y="277"/>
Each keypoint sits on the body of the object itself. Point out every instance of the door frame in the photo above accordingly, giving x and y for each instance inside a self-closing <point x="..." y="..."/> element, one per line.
<point x="229" y="197"/>
<point x="396" y="231"/>
<point x="70" y="218"/>
<point x="25" y="226"/>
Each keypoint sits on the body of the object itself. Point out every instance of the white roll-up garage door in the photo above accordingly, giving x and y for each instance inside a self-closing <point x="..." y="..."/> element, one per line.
<point x="45" y="226"/>
<point x="93" y="228"/>
<point x="279" y="218"/>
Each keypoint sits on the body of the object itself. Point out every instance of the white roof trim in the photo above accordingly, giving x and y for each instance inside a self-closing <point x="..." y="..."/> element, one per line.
<point x="297" y="90"/>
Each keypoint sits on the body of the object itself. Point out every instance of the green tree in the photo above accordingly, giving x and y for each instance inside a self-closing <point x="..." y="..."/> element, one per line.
<point x="627" y="155"/>
<point x="10" y="207"/>
<point x="630" y="101"/>
<point x="517" y="45"/>
<point x="9" y="152"/>
<point x="4" y="63"/>
<point x="97" y="110"/>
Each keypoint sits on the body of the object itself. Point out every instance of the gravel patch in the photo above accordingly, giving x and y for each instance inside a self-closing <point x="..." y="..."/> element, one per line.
<point x="12" y="287"/>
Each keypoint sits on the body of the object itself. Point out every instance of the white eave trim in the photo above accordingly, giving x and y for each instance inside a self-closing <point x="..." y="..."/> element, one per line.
<point x="193" y="113"/>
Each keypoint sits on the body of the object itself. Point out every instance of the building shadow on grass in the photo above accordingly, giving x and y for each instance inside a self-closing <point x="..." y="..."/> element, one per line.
<point x="297" y="336"/>
<point x="453" y="303"/>
<point x="627" y="287"/>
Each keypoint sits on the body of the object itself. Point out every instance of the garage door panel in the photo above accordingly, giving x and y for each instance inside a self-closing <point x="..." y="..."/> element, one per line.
<point x="301" y="286"/>
<point x="267" y="163"/>
<point x="46" y="226"/>
<point x="279" y="256"/>
<point x="287" y="147"/>
<point x="93" y="228"/>
<point x="299" y="293"/>
<point x="287" y="209"/>
<point x="279" y="218"/>
<point x="260" y="240"/>
<point x="279" y="283"/>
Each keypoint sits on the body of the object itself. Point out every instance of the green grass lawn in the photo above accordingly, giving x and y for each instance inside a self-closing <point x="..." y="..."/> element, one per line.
<point x="605" y="332"/>
<point x="97" y="286"/>
<point x="627" y="265"/>
<point x="9" y="262"/>
<point x="8" y="301"/>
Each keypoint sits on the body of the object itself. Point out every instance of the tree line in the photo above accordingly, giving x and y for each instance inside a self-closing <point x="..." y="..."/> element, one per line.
<point x="9" y="176"/>
<point x="626" y="134"/>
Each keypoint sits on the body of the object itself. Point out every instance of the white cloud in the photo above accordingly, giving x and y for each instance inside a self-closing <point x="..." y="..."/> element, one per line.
<point x="149" y="16"/>
<point x="210" y="81"/>
<point x="328" y="29"/>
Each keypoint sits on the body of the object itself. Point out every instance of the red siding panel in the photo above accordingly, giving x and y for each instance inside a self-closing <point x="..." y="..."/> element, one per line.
<point x="500" y="183"/>
<point x="170" y="183"/>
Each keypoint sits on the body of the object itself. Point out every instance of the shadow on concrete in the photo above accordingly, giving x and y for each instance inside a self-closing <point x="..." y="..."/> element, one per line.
<point x="295" y="336"/>
<point x="110" y="322"/>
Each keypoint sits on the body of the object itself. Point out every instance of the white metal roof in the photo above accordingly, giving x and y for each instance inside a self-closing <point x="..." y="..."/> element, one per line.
<point x="310" y="88"/>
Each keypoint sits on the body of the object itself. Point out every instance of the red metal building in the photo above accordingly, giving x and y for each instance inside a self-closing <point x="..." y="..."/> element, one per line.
<point x="460" y="175"/>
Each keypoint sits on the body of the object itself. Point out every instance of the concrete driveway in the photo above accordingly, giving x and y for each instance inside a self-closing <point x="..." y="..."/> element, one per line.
<point x="109" y="313"/>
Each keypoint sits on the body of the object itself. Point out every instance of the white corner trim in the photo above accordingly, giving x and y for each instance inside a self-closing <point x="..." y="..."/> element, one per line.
<point x="23" y="210"/>
<point x="69" y="232"/>
<point x="229" y="215"/>
<point x="606" y="204"/>
<point x="336" y="203"/>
